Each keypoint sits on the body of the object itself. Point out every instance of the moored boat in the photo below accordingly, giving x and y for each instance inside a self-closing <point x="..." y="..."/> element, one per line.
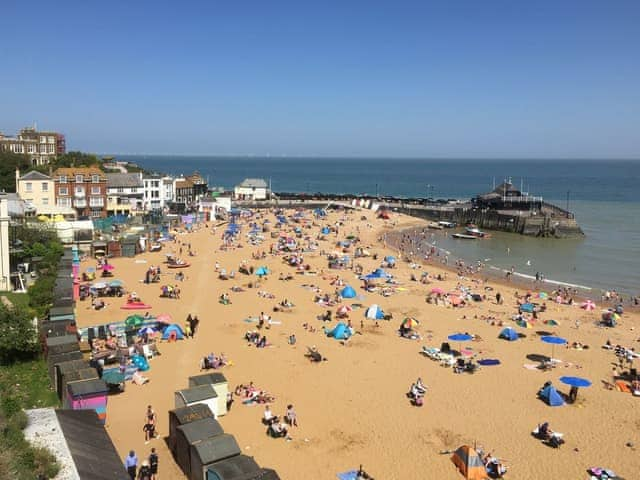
<point x="464" y="236"/>
<point x="435" y="226"/>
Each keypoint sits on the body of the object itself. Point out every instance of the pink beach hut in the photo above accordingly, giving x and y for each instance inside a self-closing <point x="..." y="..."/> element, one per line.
<point x="88" y="395"/>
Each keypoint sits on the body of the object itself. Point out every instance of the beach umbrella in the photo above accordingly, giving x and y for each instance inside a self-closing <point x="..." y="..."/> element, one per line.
<point x="164" y="318"/>
<point x="524" y="324"/>
<point x="113" y="377"/>
<point x="588" y="305"/>
<point x="552" y="322"/>
<point x="460" y="337"/>
<point x="146" y="331"/>
<point x="553" y="341"/>
<point x="390" y="259"/>
<point x="437" y="290"/>
<point x="107" y="267"/>
<point x="410" y="322"/>
<point x="134" y="320"/>
<point x="116" y="283"/>
<point x="575" y="383"/>
<point x="344" y="309"/>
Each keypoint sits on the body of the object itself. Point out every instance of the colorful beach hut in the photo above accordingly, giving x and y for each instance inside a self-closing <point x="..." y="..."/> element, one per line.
<point x="469" y="463"/>
<point x="89" y="395"/>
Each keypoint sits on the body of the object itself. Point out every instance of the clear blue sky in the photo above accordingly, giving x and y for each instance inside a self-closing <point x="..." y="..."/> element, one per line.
<point x="473" y="78"/>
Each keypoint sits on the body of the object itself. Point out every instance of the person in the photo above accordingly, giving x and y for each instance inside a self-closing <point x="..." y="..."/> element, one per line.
<point x="262" y="342"/>
<point x="153" y="464"/>
<point x="267" y="416"/>
<point x="544" y="431"/>
<point x="499" y="298"/>
<point x="149" y="431"/>
<point x="131" y="464"/>
<point x="291" y="416"/>
<point x="187" y="330"/>
<point x="145" y="471"/>
<point x="420" y="386"/>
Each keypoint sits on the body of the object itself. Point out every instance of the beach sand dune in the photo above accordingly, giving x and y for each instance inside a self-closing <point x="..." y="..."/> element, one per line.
<point x="353" y="407"/>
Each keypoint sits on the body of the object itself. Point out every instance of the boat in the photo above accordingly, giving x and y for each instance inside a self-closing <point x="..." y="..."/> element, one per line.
<point x="435" y="226"/>
<point x="464" y="236"/>
<point x="475" y="231"/>
<point x="135" y="306"/>
<point x="444" y="224"/>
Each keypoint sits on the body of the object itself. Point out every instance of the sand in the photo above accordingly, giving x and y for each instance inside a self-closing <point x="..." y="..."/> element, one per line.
<point x="352" y="409"/>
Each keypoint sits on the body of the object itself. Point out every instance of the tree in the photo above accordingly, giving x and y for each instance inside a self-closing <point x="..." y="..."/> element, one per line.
<point x="9" y="161"/>
<point x="77" y="159"/>
<point x="18" y="336"/>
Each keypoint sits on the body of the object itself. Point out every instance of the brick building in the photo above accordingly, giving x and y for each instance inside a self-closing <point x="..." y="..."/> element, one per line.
<point x="83" y="188"/>
<point x="40" y="147"/>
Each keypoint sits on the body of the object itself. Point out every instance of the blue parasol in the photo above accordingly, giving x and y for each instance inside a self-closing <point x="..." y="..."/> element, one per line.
<point x="460" y="337"/>
<point x="390" y="259"/>
<point x="115" y="283"/>
<point x="575" y="381"/>
<point x="553" y="341"/>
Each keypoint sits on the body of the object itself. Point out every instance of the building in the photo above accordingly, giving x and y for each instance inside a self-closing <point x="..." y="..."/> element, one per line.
<point x="168" y="191"/>
<point x="35" y="188"/>
<point x="125" y="193"/>
<point x="507" y="197"/>
<point x="5" y="267"/>
<point x="200" y="186"/>
<point x="152" y="189"/>
<point x="184" y="192"/>
<point x="83" y="188"/>
<point x="40" y="147"/>
<point x="252" y="189"/>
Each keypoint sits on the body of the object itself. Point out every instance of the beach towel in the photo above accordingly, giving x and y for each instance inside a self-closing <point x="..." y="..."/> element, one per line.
<point x="623" y="386"/>
<point x="350" y="475"/>
<point x="489" y="362"/>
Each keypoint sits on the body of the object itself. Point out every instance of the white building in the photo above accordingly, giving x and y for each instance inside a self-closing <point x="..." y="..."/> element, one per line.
<point x="252" y="189"/>
<point x="124" y="193"/>
<point x="158" y="191"/>
<point x="168" y="192"/>
<point x="5" y="281"/>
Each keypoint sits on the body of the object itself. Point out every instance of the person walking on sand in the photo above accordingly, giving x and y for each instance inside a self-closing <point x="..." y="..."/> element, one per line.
<point x="131" y="464"/>
<point x="153" y="464"/>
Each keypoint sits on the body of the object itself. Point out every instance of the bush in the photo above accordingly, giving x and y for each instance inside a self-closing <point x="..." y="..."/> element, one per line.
<point x="18" y="339"/>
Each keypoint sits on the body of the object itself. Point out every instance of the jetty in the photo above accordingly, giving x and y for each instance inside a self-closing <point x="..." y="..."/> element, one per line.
<point x="505" y="208"/>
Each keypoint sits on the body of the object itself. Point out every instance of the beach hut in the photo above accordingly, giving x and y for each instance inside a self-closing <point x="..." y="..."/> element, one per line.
<point x="508" y="334"/>
<point x="53" y="360"/>
<point x="201" y="394"/>
<point x="551" y="396"/>
<point x="60" y="344"/>
<point x="184" y="415"/>
<point x="469" y="463"/>
<point x="82" y="374"/>
<point x="241" y="467"/>
<point x="212" y="450"/>
<point x="348" y="292"/>
<point x="89" y="395"/>
<point x="173" y="332"/>
<point x="190" y="433"/>
<point x="62" y="370"/>
<point x="220" y="385"/>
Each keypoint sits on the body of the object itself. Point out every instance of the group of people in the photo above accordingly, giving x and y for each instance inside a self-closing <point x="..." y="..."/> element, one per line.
<point x="191" y="326"/>
<point x="277" y="428"/>
<point x="148" y="469"/>
<point x="254" y="338"/>
<point x="213" y="361"/>
<point x="416" y="392"/>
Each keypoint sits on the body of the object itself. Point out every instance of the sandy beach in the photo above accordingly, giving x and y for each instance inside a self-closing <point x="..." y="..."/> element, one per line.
<point x="352" y="409"/>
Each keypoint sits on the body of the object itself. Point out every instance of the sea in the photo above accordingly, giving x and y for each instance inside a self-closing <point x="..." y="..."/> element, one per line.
<point x="603" y="194"/>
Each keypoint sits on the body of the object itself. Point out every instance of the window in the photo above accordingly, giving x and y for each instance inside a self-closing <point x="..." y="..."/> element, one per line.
<point x="31" y="148"/>
<point x="28" y="187"/>
<point x="95" y="178"/>
<point x="45" y="201"/>
<point x="51" y="149"/>
<point x="79" y="190"/>
<point x="52" y="139"/>
<point x="63" y="191"/>
<point x="45" y="187"/>
<point x="120" y="190"/>
<point x="79" y="179"/>
<point x="62" y="179"/>
<point x="95" y="190"/>
<point x="96" y="202"/>
<point x="96" y="213"/>
<point x="64" y="202"/>
<point x="43" y="149"/>
<point x="43" y="139"/>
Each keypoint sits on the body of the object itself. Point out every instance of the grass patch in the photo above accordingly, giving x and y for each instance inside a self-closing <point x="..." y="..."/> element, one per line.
<point x="23" y="385"/>
<point x="20" y="300"/>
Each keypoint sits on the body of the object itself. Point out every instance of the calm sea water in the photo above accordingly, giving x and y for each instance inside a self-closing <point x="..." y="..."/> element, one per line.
<point x="603" y="195"/>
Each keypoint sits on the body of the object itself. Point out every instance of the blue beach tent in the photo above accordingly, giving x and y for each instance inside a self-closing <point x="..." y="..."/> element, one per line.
<point x="374" y="312"/>
<point x="173" y="328"/>
<point x="325" y="231"/>
<point x="339" y="332"/>
<point x="527" y="307"/>
<point x="348" y="292"/>
<point x="509" y="334"/>
<point x="551" y="396"/>
<point x="262" y="271"/>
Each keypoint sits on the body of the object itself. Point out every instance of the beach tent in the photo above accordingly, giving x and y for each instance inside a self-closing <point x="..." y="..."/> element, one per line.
<point x="551" y="396"/>
<point x="527" y="307"/>
<point x="348" y="292"/>
<point x="173" y="329"/>
<point x="509" y="334"/>
<point x="469" y="463"/>
<point x="390" y="259"/>
<point x="262" y="271"/>
<point x="339" y="332"/>
<point x="325" y="231"/>
<point x="374" y="312"/>
<point x="524" y="323"/>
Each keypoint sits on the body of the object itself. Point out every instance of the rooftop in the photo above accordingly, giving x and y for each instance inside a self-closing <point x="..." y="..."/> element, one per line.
<point x="35" y="175"/>
<point x="253" y="183"/>
<point x="124" y="180"/>
<point x="73" y="171"/>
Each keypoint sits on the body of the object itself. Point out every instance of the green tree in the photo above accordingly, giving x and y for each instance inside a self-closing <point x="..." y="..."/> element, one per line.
<point x="18" y="336"/>
<point x="77" y="159"/>
<point x="9" y="161"/>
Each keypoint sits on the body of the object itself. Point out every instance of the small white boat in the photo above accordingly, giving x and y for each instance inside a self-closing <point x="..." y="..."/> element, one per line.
<point x="444" y="224"/>
<point x="435" y="226"/>
<point x="464" y="236"/>
<point x="476" y="232"/>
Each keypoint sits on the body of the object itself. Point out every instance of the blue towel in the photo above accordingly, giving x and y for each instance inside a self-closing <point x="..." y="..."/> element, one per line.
<point x="350" y="475"/>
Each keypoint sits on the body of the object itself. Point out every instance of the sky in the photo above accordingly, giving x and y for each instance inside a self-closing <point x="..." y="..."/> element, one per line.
<point x="485" y="79"/>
